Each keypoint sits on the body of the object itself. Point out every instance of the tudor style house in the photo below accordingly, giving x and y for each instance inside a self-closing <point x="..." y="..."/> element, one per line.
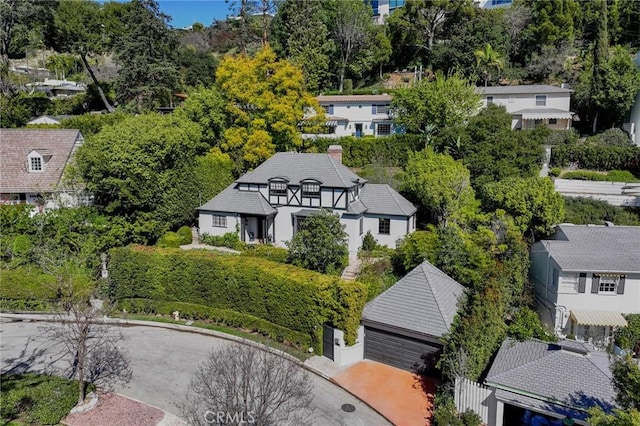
<point x="32" y="163"/>
<point x="586" y="278"/>
<point x="267" y="204"/>
<point x="530" y="105"/>
<point x="356" y="115"/>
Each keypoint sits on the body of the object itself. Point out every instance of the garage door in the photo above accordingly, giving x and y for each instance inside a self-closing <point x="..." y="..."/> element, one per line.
<point x="394" y="349"/>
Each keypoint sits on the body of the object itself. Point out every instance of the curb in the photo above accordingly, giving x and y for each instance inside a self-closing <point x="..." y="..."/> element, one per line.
<point x="204" y="332"/>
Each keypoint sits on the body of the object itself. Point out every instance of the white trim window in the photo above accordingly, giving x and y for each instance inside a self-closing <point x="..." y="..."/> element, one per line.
<point x="541" y="100"/>
<point x="219" y="221"/>
<point x="277" y="188"/>
<point x="608" y="284"/>
<point x="35" y="163"/>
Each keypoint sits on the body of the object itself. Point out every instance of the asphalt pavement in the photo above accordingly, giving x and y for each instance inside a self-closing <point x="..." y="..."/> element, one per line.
<point x="162" y="362"/>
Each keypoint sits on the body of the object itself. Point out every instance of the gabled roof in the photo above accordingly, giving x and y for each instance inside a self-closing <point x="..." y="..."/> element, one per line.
<point x="566" y="373"/>
<point x="382" y="199"/>
<point x="424" y="301"/>
<point x="591" y="248"/>
<point x="354" y="98"/>
<point x="232" y="200"/>
<point x="539" y="89"/>
<point x="16" y="144"/>
<point x="296" y="167"/>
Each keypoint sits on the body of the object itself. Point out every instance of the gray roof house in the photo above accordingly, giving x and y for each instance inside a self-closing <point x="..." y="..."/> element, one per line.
<point x="530" y="105"/>
<point x="406" y="322"/>
<point x="586" y="278"/>
<point x="555" y="380"/>
<point x="267" y="204"/>
<point x="32" y="162"/>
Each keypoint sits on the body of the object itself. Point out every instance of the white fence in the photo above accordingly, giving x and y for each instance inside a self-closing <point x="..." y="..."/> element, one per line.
<point x="474" y="396"/>
<point x="614" y="193"/>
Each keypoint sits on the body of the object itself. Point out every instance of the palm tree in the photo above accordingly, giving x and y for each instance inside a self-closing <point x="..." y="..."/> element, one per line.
<point x="488" y="58"/>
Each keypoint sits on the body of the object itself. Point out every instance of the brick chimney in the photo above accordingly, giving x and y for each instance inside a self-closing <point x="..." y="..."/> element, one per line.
<point x="335" y="151"/>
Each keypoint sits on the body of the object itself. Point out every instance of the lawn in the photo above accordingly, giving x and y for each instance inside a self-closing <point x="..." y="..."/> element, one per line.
<point x="35" y="399"/>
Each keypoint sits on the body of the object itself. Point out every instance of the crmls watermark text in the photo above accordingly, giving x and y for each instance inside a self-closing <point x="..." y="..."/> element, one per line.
<point x="226" y="417"/>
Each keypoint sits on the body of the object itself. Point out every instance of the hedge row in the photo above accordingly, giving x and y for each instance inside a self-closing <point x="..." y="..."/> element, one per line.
<point x="26" y="284"/>
<point x="389" y="151"/>
<point x="285" y="295"/>
<point x="612" y="176"/>
<point x="598" y="157"/>
<point x="217" y="316"/>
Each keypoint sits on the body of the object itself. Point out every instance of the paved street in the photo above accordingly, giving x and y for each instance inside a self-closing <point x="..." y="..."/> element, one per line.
<point x="163" y="362"/>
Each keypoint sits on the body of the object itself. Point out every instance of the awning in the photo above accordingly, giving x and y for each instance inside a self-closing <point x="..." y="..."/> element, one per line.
<point x="543" y="114"/>
<point x="599" y="318"/>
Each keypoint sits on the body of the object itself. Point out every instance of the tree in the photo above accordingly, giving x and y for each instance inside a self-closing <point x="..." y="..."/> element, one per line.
<point x="442" y="102"/>
<point x="533" y="202"/>
<point x="148" y="75"/>
<point x="142" y="168"/>
<point x="352" y="32"/>
<point x="241" y="384"/>
<point x="87" y="29"/>
<point x="629" y="337"/>
<point x="597" y="417"/>
<point x="266" y="102"/>
<point x="207" y="108"/>
<point x="90" y="346"/>
<point x="626" y="381"/>
<point x="301" y="36"/>
<point x="440" y="184"/>
<point x="214" y="172"/>
<point x="486" y="59"/>
<point x="320" y="243"/>
<point x="600" y="56"/>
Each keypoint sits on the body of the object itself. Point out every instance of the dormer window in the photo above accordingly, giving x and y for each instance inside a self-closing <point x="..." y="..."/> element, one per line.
<point x="277" y="188"/>
<point x="36" y="162"/>
<point x="311" y="190"/>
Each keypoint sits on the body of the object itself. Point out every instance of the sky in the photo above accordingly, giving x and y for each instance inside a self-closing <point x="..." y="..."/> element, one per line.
<point x="186" y="12"/>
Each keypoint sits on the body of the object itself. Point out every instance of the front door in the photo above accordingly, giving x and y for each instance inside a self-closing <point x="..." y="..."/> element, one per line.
<point x="358" y="130"/>
<point x="327" y="341"/>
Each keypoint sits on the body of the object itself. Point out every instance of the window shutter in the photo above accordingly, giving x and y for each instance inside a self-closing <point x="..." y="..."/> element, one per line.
<point x="620" y="289"/>
<point x="373" y="109"/>
<point x="595" y="283"/>
<point x="330" y="109"/>
<point x="582" y="282"/>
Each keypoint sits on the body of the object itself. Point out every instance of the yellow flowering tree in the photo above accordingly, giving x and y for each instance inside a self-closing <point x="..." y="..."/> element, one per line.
<point x="266" y="102"/>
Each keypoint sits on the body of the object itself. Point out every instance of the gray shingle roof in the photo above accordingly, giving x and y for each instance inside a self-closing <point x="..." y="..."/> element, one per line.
<point x="382" y="199"/>
<point x="15" y="146"/>
<point x="595" y="248"/>
<point x="424" y="301"/>
<point x="296" y="167"/>
<point x="233" y="201"/>
<point x="553" y="372"/>
<point x="522" y="89"/>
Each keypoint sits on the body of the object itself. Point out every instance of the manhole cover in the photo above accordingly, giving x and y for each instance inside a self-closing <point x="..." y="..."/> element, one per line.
<point x="348" y="408"/>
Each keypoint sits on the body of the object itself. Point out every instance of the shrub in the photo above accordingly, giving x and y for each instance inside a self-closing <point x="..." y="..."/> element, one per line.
<point x="389" y="151"/>
<point x="229" y="240"/>
<point x="611" y="137"/>
<point x="265" y="251"/>
<point x="629" y="337"/>
<point x="562" y="137"/>
<point x="290" y="297"/>
<point x="377" y="275"/>
<point x="555" y="171"/>
<point x="185" y="235"/>
<point x="583" y="211"/>
<point x="598" y="157"/>
<point x="369" y="243"/>
<point x="169" y="240"/>
<point x="217" y="316"/>
<point x="37" y="399"/>
<point x="26" y="284"/>
<point x="612" y="176"/>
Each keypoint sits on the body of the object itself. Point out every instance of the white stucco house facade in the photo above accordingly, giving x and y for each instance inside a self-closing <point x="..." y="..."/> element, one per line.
<point x="267" y="204"/>
<point x="586" y="278"/>
<point x="356" y="115"/>
<point x="530" y="105"/>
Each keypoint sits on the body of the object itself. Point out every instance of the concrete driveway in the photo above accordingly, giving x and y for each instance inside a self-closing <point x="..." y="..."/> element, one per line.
<point x="163" y="361"/>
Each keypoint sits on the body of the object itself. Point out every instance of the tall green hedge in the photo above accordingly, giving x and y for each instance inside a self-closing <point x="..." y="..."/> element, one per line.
<point x="285" y="295"/>
<point x="598" y="157"/>
<point x="390" y="151"/>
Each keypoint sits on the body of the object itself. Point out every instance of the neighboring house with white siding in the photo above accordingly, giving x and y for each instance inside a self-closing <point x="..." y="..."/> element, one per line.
<point x="267" y="204"/>
<point x="356" y="115"/>
<point x="586" y="278"/>
<point x="530" y="105"/>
